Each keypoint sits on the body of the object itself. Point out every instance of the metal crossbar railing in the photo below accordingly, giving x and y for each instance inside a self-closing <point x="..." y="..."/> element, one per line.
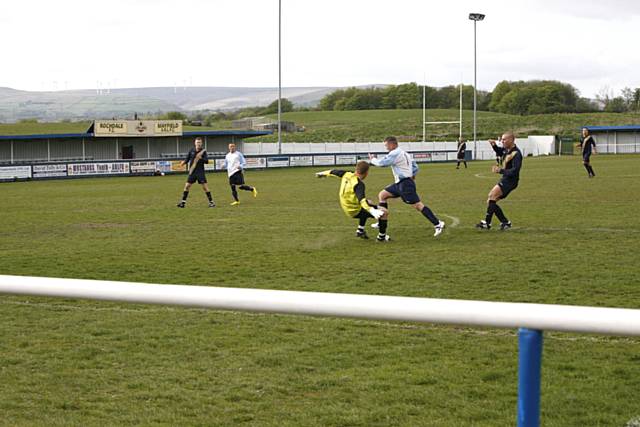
<point x="531" y="319"/>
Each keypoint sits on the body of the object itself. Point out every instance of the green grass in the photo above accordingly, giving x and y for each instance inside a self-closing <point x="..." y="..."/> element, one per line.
<point x="68" y="362"/>
<point x="375" y="125"/>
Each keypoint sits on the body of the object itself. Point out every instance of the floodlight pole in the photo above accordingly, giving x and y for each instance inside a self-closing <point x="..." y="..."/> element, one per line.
<point x="424" y="111"/>
<point x="460" y="133"/>
<point x="279" y="76"/>
<point x="475" y="17"/>
<point x="475" y="92"/>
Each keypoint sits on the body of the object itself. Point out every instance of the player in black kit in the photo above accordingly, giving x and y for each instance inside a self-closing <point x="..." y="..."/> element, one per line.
<point x="195" y="161"/>
<point x="510" y="164"/>
<point x="588" y="146"/>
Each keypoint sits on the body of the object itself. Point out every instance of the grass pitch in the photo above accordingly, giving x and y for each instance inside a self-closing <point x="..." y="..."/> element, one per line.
<point x="69" y="362"/>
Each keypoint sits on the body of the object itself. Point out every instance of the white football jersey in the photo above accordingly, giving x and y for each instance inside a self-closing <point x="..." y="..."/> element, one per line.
<point x="234" y="162"/>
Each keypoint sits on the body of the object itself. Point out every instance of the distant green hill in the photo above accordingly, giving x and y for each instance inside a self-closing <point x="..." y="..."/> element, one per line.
<point x="374" y="125"/>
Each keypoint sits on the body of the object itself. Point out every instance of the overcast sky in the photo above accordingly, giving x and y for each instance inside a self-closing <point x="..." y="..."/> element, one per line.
<point x="79" y="44"/>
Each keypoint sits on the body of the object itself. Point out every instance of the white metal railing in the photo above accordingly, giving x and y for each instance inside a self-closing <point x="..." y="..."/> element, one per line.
<point x="615" y="321"/>
<point x="531" y="319"/>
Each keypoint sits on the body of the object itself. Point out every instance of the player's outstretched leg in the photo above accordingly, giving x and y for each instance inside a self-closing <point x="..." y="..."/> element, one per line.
<point x="438" y="225"/>
<point x="249" y="188"/>
<point x="505" y="224"/>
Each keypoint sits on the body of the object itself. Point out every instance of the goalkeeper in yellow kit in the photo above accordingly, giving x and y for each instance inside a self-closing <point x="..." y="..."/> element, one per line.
<point x="353" y="200"/>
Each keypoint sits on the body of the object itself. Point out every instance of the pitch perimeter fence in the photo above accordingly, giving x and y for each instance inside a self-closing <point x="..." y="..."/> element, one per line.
<point x="530" y="319"/>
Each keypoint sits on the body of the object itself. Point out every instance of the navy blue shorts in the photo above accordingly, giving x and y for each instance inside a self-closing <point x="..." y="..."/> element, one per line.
<point x="236" y="179"/>
<point x="507" y="186"/>
<point x="197" y="176"/>
<point x="405" y="189"/>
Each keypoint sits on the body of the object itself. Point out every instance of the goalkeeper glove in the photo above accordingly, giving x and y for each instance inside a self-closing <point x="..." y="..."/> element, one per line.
<point x="376" y="213"/>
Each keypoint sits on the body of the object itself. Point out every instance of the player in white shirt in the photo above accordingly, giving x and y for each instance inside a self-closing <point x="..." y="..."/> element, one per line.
<point x="404" y="170"/>
<point x="234" y="163"/>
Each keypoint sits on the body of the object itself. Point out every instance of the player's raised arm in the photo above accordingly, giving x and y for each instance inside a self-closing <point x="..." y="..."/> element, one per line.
<point x="331" y="172"/>
<point x="387" y="160"/>
<point x="499" y="150"/>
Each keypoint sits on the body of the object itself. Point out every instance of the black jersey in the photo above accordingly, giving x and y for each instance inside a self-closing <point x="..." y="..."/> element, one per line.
<point x="510" y="162"/>
<point x="587" y="145"/>
<point x="191" y="155"/>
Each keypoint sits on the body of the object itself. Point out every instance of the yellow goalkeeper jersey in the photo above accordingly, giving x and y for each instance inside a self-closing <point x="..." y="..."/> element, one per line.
<point x="352" y="192"/>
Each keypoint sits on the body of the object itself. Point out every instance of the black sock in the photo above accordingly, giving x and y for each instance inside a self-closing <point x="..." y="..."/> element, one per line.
<point x="234" y="192"/>
<point x="209" y="196"/>
<point x="382" y="226"/>
<point x="383" y="205"/>
<point x="465" y="165"/>
<point x="458" y="165"/>
<point x="491" y="208"/>
<point x="587" y="167"/>
<point x="246" y="187"/>
<point x="362" y="222"/>
<point x="591" y="171"/>
<point x="500" y="215"/>
<point x="185" y="194"/>
<point x="430" y="216"/>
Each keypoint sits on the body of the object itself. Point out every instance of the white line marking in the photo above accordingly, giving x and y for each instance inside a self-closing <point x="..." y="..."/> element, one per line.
<point x="482" y="176"/>
<point x="455" y="221"/>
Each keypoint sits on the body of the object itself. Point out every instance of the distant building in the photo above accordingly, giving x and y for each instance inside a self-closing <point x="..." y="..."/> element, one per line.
<point x="263" y="123"/>
<point x="91" y="146"/>
<point x="616" y="139"/>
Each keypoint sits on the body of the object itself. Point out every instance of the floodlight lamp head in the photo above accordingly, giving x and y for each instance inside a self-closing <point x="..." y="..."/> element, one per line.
<point x="476" y="16"/>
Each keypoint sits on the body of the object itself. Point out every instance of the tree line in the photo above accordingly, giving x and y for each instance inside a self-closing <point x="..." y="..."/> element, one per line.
<point x="509" y="97"/>
<point x="519" y="97"/>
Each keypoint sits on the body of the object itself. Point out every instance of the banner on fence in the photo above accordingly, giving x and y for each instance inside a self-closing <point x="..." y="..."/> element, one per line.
<point x="301" y="161"/>
<point x="439" y="157"/>
<point x="256" y="162"/>
<point x="143" y="167"/>
<point x="113" y="168"/>
<point x="422" y="157"/>
<point x="278" y="162"/>
<point x="177" y="167"/>
<point x="342" y="159"/>
<point x="323" y="160"/>
<point x="13" y="172"/>
<point x="49" y="171"/>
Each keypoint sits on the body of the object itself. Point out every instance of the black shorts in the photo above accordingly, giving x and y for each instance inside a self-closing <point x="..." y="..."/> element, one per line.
<point x="405" y="189"/>
<point x="236" y="179"/>
<point x="507" y="186"/>
<point x="363" y="214"/>
<point x="197" y="176"/>
<point x="586" y="157"/>
<point x="461" y="155"/>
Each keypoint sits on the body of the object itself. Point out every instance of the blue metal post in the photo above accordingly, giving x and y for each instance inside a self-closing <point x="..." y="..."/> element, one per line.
<point x="530" y="363"/>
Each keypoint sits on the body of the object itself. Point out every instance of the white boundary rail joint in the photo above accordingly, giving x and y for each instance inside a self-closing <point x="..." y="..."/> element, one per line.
<point x="531" y="319"/>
